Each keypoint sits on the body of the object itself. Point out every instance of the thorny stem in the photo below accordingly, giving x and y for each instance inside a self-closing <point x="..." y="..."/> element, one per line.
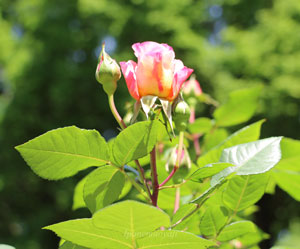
<point x="176" y="166"/>
<point x="155" y="184"/>
<point x="123" y="126"/>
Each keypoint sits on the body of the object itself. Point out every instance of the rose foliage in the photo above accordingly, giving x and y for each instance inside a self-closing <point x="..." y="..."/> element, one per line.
<point x="163" y="184"/>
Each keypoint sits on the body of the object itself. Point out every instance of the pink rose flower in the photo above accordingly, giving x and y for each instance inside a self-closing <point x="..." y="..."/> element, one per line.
<point x="157" y="72"/>
<point x="192" y="86"/>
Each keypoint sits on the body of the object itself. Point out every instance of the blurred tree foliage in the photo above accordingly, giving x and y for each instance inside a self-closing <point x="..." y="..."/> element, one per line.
<point x="48" y="55"/>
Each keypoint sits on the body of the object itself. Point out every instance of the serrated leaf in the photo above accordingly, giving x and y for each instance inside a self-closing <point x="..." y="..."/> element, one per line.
<point x="102" y="187"/>
<point x="208" y="171"/>
<point x="213" y="220"/>
<point x="243" y="191"/>
<point x="247" y="134"/>
<point x="253" y="158"/>
<point x="136" y="141"/>
<point x="235" y="230"/>
<point x="240" y="107"/>
<point x="131" y="217"/>
<point x="82" y="232"/>
<point x="201" y="125"/>
<point x="63" y="152"/>
<point x="70" y="245"/>
<point x="173" y="240"/>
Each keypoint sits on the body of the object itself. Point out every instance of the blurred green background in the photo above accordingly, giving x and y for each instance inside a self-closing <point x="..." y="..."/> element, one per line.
<point x="48" y="56"/>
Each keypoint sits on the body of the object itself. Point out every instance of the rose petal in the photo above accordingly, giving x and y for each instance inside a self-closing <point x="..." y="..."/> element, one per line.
<point x="149" y="48"/>
<point x="181" y="73"/>
<point x="128" y="69"/>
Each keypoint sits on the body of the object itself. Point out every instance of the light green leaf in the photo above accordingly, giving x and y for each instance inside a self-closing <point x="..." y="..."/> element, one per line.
<point x="131" y="217"/>
<point x="243" y="191"/>
<point x="63" y="152"/>
<point x="235" y="230"/>
<point x="82" y="232"/>
<point x="287" y="172"/>
<point x="213" y="138"/>
<point x="201" y="125"/>
<point x="247" y="134"/>
<point x="254" y="157"/>
<point x="183" y="211"/>
<point x="289" y="181"/>
<point x="208" y="171"/>
<point x="213" y="220"/>
<point x="70" y="245"/>
<point x="204" y="196"/>
<point x="102" y="187"/>
<point x="240" y="107"/>
<point x="173" y="240"/>
<point x="78" y="201"/>
<point x="136" y="141"/>
<point x="2" y="246"/>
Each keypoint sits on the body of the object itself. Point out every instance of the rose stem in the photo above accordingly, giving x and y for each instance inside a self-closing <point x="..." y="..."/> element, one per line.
<point x="177" y="200"/>
<point x="179" y="153"/>
<point x="155" y="184"/>
<point x="123" y="126"/>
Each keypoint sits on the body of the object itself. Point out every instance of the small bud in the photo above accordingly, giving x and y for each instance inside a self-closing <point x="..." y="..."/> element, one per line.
<point x="181" y="115"/>
<point x="107" y="72"/>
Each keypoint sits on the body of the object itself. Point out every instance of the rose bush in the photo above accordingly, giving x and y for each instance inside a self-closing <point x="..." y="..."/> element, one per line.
<point x="156" y="73"/>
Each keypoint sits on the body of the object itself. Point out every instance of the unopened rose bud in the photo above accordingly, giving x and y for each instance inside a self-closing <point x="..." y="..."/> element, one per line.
<point x="107" y="72"/>
<point x="181" y="115"/>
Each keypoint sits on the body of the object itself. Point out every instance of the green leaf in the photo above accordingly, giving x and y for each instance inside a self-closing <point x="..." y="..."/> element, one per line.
<point x="208" y="171"/>
<point x="70" y="245"/>
<point x="240" y="107"/>
<point x="243" y="191"/>
<point x="131" y="217"/>
<point x="63" y="152"/>
<point x="183" y="211"/>
<point x="287" y="172"/>
<point x="136" y="141"/>
<point x="254" y="157"/>
<point x="201" y="125"/>
<point x="213" y="138"/>
<point x="235" y="230"/>
<point x="204" y="196"/>
<point x="102" y="187"/>
<point x="289" y="181"/>
<point x="82" y="232"/>
<point x="78" y="201"/>
<point x="213" y="220"/>
<point x="2" y="246"/>
<point x="173" y="240"/>
<point x="247" y="134"/>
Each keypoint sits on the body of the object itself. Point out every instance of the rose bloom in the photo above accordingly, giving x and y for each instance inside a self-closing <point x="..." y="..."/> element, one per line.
<point x="192" y="86"/>
<point x="157" y="72"/>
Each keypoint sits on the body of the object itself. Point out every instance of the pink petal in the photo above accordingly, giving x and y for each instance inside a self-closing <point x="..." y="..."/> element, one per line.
<point x="192" y="86"/>
<point x="181" y="73"/>
<point x="149" y="47"/>
<point x="128" y="70"/>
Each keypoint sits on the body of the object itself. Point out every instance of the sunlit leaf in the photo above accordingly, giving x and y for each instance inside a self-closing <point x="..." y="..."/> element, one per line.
<point x="63" y="152"/>
<point x="235" y="230"/>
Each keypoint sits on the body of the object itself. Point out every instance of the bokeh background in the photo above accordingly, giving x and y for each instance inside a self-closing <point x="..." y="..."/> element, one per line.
<point x="48" y="56"/>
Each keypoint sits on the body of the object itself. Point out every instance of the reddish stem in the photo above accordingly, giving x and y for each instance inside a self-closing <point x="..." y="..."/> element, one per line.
<point x="155" y="184"/>
<point x="169" y="177"/>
